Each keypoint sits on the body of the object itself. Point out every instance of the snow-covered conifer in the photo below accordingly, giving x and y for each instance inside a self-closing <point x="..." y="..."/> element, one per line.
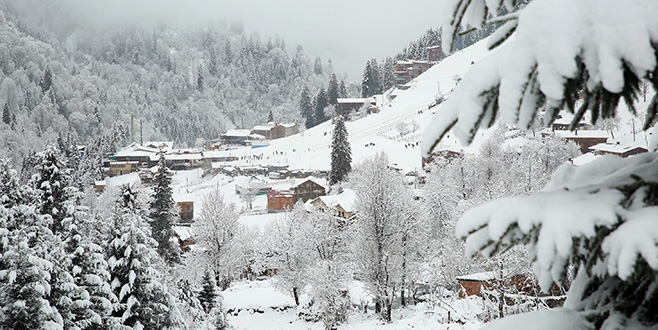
<point x="143" y="299"/>
<point x="341" y="153"/>
<point x="306" y="108"/>
<point x="208" y="293"/>
<point x="163" y="214"/>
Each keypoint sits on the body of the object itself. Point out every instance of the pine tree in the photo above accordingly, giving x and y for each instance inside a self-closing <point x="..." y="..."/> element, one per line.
<point x="270" y="117"/>
<point x="52" y="183"/>
<point x="333" y="90"/>
<point x="317" y="67"/>
<point x="143" y="300"/>
<point x="341" y="154"/>
<point x="47" y="80"/>
<point x="342" y="90"/>
<point x="321" y="101"/>
<point x="163" y="215"/>
<point x="27" y="275"/>
<point x="6" y="114"/>
<point x="199" y="78"/>
<point x="371" y="83"/>
<point x="208" y="293"/>
<point x="306" y="107"/>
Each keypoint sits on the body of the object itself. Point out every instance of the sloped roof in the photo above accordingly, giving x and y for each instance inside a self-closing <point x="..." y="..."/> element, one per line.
<point x="345" y="200"/>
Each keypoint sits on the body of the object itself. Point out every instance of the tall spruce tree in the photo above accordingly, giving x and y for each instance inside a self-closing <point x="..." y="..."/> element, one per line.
<point x="143" y="300"/>
<point x="306" y="107"/>
<point x="321" y="102"/>
<point x="52" y="184"/>
<point x="270" y="117"/>
<point x="208" y="293"/>
<point x="341" y="154"/>
<point x="333" y="90"/>
<point x="163" y="214"/>
<point x="6" y="115"/>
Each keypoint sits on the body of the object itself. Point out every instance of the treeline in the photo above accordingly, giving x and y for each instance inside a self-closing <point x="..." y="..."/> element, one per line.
<point x="59" y="78"/>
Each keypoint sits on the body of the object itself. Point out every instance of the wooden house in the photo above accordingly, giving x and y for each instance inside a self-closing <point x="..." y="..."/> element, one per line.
<point x="435" y="54"/>
<point x="617" y="150"/>
<point x="240" y="137"/>
<point x="562" y="124"/>
<point x="100" y="186"/>
<point x="584" y="139"/>
<point x="290" y="129"/>
<point x="341" y="204"/>
<point x="186" y="210"/>
<point x="268" y="131"/>
<point x="309" y="189"/>
<point x="345" y="106"/>
<point x="448" y="154"/>
<point x="280" y="200"/>
<point x="121" y="168"/>
<point x="474" y="284"/>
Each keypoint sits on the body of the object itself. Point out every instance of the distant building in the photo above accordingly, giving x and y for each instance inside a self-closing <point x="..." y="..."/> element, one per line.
<point x="584" y="139"/>
<point x="341" y="205"/>
<point x="435" y="54"/>
<point x="446" y="153"/>
<point x="280" y="200"/>
<point x="308" y="189"/>
<point x="617" y="150"/>
<point x="186" y="210"/>
<point x="290" y="129"/>
<point x="345" y="106"/>
<point x="562" y="124"/>
<point x="240" y="137"/>
<point x="473" y="284"/>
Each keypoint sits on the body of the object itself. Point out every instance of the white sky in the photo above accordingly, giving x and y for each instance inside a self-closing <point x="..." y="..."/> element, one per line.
<point x="348" y="31"/>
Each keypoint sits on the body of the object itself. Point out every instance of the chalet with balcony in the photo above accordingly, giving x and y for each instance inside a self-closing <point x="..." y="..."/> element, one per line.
<point x="308" y="189"/>
<point x="475" y="284"/>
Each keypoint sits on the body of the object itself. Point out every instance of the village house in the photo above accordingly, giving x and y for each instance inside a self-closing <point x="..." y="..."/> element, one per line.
<point x="475" y="284"/>
<point x="270" y="132"/>
<point x="280" y="200"/>
<point x="290" y="129"/>
<point x="435" y="54"/>
<point x="345" y="106"/>
<point x="562" y="124"/>
<point x="447" y="153"/>
<point x="308" y="189"/>
<point x="121" y="168"/>
<point x="617" y="149"/>
<point x="584" y="139"/>
<point x="186" y="210"/>
<point x="341" y="204"/>
<point x="240" y="137"/>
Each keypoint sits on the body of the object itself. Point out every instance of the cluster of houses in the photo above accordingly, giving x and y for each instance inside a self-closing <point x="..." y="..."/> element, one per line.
<point x="405" y="71"/>
<point x="257" y="135"/>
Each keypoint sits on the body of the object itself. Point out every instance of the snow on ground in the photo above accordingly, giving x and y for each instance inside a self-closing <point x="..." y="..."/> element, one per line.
<point x="258" y="305"/>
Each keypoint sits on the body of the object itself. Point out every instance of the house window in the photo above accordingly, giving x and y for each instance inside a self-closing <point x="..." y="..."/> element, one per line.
<point x="271" y="204"/>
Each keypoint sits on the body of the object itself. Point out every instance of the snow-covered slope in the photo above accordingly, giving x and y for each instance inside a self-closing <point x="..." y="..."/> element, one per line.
<point x="311" y="149"/>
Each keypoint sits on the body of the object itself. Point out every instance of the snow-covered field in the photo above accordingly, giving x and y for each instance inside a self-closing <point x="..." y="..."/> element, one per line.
<point x="258" y="305"/>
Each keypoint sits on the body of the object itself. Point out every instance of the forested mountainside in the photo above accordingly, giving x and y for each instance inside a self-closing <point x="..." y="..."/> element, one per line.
<point x="60" y="78"/>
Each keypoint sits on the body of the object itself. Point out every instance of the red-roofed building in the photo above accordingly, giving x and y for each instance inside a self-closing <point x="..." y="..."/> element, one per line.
<point x="280" y="200"/>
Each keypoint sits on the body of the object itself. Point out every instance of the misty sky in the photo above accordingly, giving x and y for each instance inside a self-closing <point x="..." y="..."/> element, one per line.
<point x="347" y="31"/>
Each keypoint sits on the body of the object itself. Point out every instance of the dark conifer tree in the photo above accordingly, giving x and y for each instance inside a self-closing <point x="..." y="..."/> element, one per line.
<point x="143" y="300"/>
<point x="342" y="90"/>
<point x="317" y="67"/>
<point x="332" y="90"/>
<point x="321" y="102"/>
<point x="270" y="117"/>
<point x="371" y="83"/>
<point x="208" y="293"/>
<point x="341" y="154"/>
<point x="47" y="80"/>
<point x="306" y="107"/>
<point x="199" y="79"/>
<point x="6" y="115"/>
<point x="163" y="215"/>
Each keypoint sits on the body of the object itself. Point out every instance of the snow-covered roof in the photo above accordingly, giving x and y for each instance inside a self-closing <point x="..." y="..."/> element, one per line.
<point x="582" y="134"/>
<point x="165" y="145"/>
<point x="404" y="62"/>
<point x="434" y="47"/>
<point x="99" y="183"/>
<point x="183" y="232"/>
<point x="614" y="148"/>
<point x="352" y="100"/>
<point x="345" y="200"/>
<point x="289" y="125"/>
<point x="481" y="277"/>
<point x="262" y="128"/>
<point x="196" y="156"/>
<point x="584" y="159"/>
<point x="237" y="132"/>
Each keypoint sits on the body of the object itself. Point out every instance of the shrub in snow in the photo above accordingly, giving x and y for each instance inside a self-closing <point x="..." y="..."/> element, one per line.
<point x="602" y="217"/>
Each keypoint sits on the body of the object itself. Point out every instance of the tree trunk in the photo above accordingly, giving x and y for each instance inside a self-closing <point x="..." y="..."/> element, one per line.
<point x="403" y="302"/>
<point x="378" y="306"/>
<point x="387" y="316"/>
<point x="295" y="295"/>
